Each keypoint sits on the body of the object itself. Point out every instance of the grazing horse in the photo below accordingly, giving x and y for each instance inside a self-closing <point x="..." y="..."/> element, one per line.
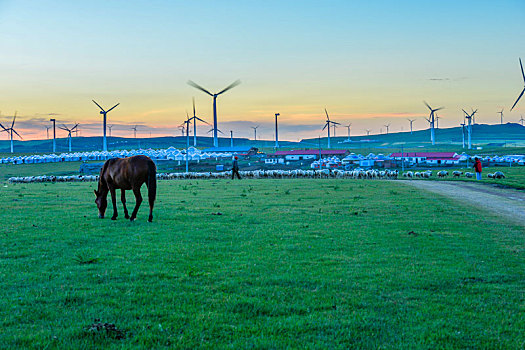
<point x="126" y="174"/>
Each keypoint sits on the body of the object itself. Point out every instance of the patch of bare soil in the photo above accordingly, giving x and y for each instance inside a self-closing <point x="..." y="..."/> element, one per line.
<point x="506" y="202"/>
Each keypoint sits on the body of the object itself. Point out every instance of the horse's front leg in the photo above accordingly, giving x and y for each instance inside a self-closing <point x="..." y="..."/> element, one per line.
<point x="114" y="201"/>
<point x="123" y="199"/>
<point x="138" y="200"/>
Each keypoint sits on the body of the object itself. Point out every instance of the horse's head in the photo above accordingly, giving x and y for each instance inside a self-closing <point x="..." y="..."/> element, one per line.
<point x="102" y="203"/>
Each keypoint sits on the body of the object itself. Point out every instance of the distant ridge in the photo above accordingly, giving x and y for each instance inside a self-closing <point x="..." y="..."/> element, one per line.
<point x="482" y="134"/>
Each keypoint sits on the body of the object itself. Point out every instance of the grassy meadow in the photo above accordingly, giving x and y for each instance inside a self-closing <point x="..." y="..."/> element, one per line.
<point x="258" y="264"/>
<point x="514" y="176"/>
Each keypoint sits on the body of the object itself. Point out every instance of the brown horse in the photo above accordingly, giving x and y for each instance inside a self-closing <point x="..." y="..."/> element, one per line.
<point x="126" y="174"/>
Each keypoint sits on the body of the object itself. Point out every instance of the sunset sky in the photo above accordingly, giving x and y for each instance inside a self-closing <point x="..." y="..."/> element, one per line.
<point x="368" y="63"/>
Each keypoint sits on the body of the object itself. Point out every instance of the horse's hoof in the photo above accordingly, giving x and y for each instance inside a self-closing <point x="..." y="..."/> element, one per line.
<point x="126" y="216"/>
<point x="113" y="218"/>
<point x="131" y="219"/>
<point x="150" y="220"/>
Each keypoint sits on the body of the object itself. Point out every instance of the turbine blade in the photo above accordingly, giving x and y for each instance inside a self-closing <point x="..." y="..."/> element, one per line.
<point x="325" y="126"/>
<point x="440" y="108"/>
<point x="231" y="86"/>
<point x="98" y="105"/>
<point x="465" y="111"/>
<point x="335" y="123"/>
<point x="327" y="117"/>
<point x="204" y="121"/>
<point x="196" y="86"/>
<point x="113" y="107"/>
<point x="14" y="118"/>
<point x="426" y="104"/>
<point x="220" y="131"/>
<point x="522" y="73"/>
<point x="522" y="91"/>
<point x="3" y="127"/>
<point x="17" y="133"/>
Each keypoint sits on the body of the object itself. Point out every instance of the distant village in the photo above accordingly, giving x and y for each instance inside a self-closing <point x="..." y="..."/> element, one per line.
<point x="221" y="157"/>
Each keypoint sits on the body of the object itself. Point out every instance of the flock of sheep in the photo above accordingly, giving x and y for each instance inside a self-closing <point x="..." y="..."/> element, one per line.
<point x="275" y="174"/>
<point x="455" y="174"/>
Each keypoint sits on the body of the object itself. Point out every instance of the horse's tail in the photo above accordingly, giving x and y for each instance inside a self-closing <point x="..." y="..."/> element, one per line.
<point x="152" y="182"/>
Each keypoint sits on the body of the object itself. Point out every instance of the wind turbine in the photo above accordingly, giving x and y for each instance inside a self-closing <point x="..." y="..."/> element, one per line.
<point x="437" y="121"/>
<point x="501" y="116"/>
<point x="327" y="125"/>
<point x="64" y="127"/>
<point x="368" y="132"/>
<point x="255" y="132"/>
<point x="348" y="127"/>
<point x="463" y="132"/>
<point x="104" y="113"/>
<point x="469" y="117"/>
<point x="335" y="126"/>
<point x="431" y="120"/>
<point x="411" y="121"/>
<point x="522" y="91"/>
<point x="54" y="130"/>
<point x="181" y="127"/>
<point x="215" y="127"/>
<point x="276" y="131"/>
<point x="387" y="126"/>
<point x="195" y="118"/>
<point x="134" y="131"/>
<point x="47" y="131"/>
<point x="11" y="130"/>
<point x="521" y="120"/>
<point x="186" y="124"/>
<point x="109" y="127"/>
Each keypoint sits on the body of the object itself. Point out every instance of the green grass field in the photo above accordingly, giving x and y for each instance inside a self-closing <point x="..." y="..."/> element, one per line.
<point x="514" y="177"/>
<point x="288" y="263"/>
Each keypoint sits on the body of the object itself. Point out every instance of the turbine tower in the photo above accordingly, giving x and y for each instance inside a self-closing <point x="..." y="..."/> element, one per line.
<point x="254" y="132"/>
<point x="10" y="131"/>
<point x="327" y="125"/>
<point x="195" y="118"/>
<point x="522" y="91"/>
<point x="231" y="138"/>
<point x="501" y="116"/>
<point x="276" y="131"/>
<point x="104" y="113"/>
<point x="215" y="127"/>
<point x="64" y="127"/>
<point x="411" y="121"/>
<point x="348" y="127"/>
<point x="431" y="120"/>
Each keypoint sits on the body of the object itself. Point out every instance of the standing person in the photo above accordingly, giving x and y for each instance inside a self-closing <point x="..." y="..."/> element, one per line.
<point x="235" y="168"/>
<point x="477" y="168"/>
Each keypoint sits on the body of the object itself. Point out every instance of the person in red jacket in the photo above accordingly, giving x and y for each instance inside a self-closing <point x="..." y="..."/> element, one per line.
<point x="477" y="168"/>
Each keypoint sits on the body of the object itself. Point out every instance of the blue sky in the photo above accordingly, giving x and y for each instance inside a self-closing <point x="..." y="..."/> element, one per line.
<point x="368" y="63"/>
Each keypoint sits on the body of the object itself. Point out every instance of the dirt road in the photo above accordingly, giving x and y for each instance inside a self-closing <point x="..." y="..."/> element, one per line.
<point x="506" y="202"/>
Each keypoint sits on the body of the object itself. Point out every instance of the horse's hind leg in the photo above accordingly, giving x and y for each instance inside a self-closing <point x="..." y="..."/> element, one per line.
<point x="114" y="201"/>
<point x="138" y="200"/>
<point x="123" y="199"/>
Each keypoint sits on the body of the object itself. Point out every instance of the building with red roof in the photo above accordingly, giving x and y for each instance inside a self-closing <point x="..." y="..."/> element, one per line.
<point x="312" y="154"/>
